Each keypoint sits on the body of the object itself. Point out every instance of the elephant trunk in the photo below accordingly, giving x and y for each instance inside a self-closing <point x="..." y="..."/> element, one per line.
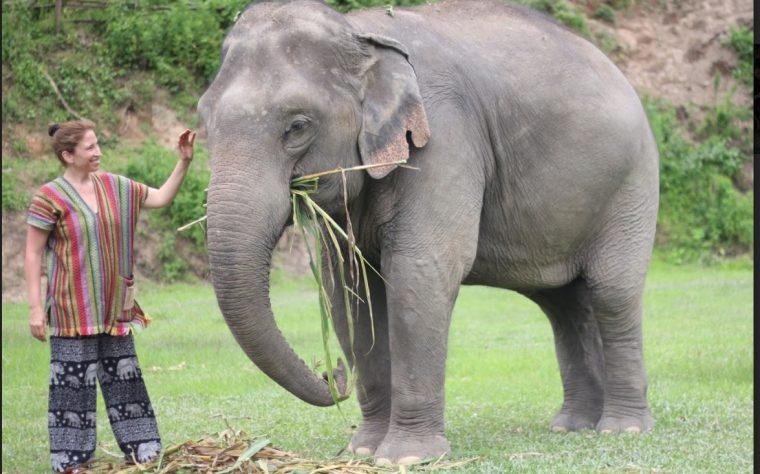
<point x="243" y="228"/>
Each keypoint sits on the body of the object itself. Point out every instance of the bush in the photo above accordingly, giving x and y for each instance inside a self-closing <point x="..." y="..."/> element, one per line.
<point x="152" y="166"/>
<point x="725" y="119"/>
<point x="13" y="198"/>
<point x="605" y="13"/>
<point x="742" y="42"/>
<point x="701" y="212"/>
<point x="565" y="12"/>
<point x="348" y="5"/>
<point x="180" y="43"/>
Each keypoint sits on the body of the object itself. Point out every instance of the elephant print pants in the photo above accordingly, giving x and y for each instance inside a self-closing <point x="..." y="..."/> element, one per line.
<point x="75" y="364"/>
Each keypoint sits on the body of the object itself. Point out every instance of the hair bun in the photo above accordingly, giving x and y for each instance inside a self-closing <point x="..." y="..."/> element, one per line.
<point x="53" y="128"/>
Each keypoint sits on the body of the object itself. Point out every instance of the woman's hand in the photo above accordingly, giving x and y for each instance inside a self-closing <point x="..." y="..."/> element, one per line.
<point x="37" y="323"/>
<point x="164" y="195"/>
<point x="186" y="141"/>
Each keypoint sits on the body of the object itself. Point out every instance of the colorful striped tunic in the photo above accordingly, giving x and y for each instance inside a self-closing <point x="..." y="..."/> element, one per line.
<point x="89" y="255"/>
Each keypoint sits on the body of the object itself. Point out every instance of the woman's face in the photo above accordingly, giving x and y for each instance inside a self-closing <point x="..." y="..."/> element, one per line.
<point x="86" y="156"/>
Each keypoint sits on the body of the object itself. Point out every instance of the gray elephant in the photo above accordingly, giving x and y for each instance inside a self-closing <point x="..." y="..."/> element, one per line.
<point x="133" y="409"/>
<point x="537" y="172"/>
<point x="127" y="368"/>
<point x="114" y="414"/>
<point x="72" y="381"/>
<point x="91" y="374"/>
<point x="73" y="419"/>
<point x="148" y="451"/>
<point x="59" y="461"/>
<point x="56" y="369"/>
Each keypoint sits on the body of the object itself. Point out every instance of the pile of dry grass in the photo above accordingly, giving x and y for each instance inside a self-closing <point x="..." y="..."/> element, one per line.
<point x="233" y="452"/>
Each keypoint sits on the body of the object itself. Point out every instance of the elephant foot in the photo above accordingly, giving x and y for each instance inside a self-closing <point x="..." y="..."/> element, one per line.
<point x="406" y="450"/>
<point x="626" y="423"/>
<point x="367" y="438"/>
<point x="567" y="420"/>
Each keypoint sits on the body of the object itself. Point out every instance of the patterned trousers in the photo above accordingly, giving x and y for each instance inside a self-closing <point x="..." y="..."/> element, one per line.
<point x="75" y="364"/>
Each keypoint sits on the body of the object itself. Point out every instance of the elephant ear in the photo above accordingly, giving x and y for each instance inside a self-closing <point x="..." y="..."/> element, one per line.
<point x="391" y="107"/>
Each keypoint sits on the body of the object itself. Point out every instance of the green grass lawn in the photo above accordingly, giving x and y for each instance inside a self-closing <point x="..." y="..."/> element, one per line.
<point x="502" y="386"/>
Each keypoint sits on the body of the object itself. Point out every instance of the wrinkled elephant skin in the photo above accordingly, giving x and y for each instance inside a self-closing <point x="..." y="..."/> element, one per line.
<point x="537" y="172"/>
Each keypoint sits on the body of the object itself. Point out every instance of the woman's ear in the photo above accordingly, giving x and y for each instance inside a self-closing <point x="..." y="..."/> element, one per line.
<point x="391" y="106"/>
<point x="67" y="158"/>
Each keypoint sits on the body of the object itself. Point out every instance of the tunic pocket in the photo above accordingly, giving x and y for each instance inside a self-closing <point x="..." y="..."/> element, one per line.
<point x="127" y="298"/>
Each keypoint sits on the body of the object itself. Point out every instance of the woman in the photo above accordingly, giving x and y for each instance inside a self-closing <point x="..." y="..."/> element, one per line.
<point x="84" y="221"/>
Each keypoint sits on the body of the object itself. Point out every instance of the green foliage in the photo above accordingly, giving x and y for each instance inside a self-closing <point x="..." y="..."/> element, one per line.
<point x="565" y="12"/>
<point x="742" y="42"/>
<point x="93" y="64"/>
<point x="152" y="165"/>
<point x="701" y="212"/>
<point x="13" y="198"/>
<point x="620" y="5"/>
<point x="726" y="120"/>
<point x="179" y="43"/>
<point x="22" y="177"/>
<point x="78" y="78"/>
<point x="606" y="13"/>
<point x="121" y="55"/>
<point x="348" y="5"/>
<point x="173" y="268"/>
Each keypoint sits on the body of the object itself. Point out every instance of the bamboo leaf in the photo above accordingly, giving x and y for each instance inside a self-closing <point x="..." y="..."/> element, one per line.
<point x="250" y="452"/>
<point x="329" y="238"/>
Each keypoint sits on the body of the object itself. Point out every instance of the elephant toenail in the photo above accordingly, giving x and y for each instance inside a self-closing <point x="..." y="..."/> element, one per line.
<point x="363" y="451"/>
<point x="383" y="462"/>
<point x="405" y="461"/>
<point x="559" y="429"/>
<point x="633" y="429"/>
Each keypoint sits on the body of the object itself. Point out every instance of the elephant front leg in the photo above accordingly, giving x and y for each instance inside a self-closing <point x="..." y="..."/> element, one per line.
<point x="369" y="358"/>
<point x="421" y="295"/>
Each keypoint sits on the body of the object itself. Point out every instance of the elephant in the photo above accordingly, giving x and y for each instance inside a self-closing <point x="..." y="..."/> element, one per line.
<point x="127" y="368"/>
<point x="536" y="171"/>
<point x="91" y="374"/>
<point x="147" y="451"/>
<point x="59" y="461"/>
<point x="56" y="369"/>
<point x="114" y="414"/>
<point x="133" y="410"/>
<point x="73" y="419"/>
<point x="73" y="381"/>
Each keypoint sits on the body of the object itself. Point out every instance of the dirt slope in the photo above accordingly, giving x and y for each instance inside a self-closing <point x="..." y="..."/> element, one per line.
<point x="676" y="54"/>
<point x="673" y="53"/>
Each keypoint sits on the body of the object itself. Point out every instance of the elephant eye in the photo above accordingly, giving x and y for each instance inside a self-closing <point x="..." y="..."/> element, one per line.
<point x="299" y="134"/>
<point x="297" y="125"/>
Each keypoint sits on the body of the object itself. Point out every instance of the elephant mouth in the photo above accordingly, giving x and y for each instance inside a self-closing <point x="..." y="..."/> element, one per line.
<point x="289" y="221"/>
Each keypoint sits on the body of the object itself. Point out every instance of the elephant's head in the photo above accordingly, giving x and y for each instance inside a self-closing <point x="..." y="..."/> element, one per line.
<point x="298" y="91"/>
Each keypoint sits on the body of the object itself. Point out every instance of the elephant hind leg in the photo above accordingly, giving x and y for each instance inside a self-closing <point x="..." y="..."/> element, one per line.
<point x="619" y="312"/>
<point x="615" y="275"/>
<point x="579" y="353"/>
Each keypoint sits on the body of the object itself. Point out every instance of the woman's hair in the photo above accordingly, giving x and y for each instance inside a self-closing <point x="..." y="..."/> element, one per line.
<point x="67" y="135"/>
